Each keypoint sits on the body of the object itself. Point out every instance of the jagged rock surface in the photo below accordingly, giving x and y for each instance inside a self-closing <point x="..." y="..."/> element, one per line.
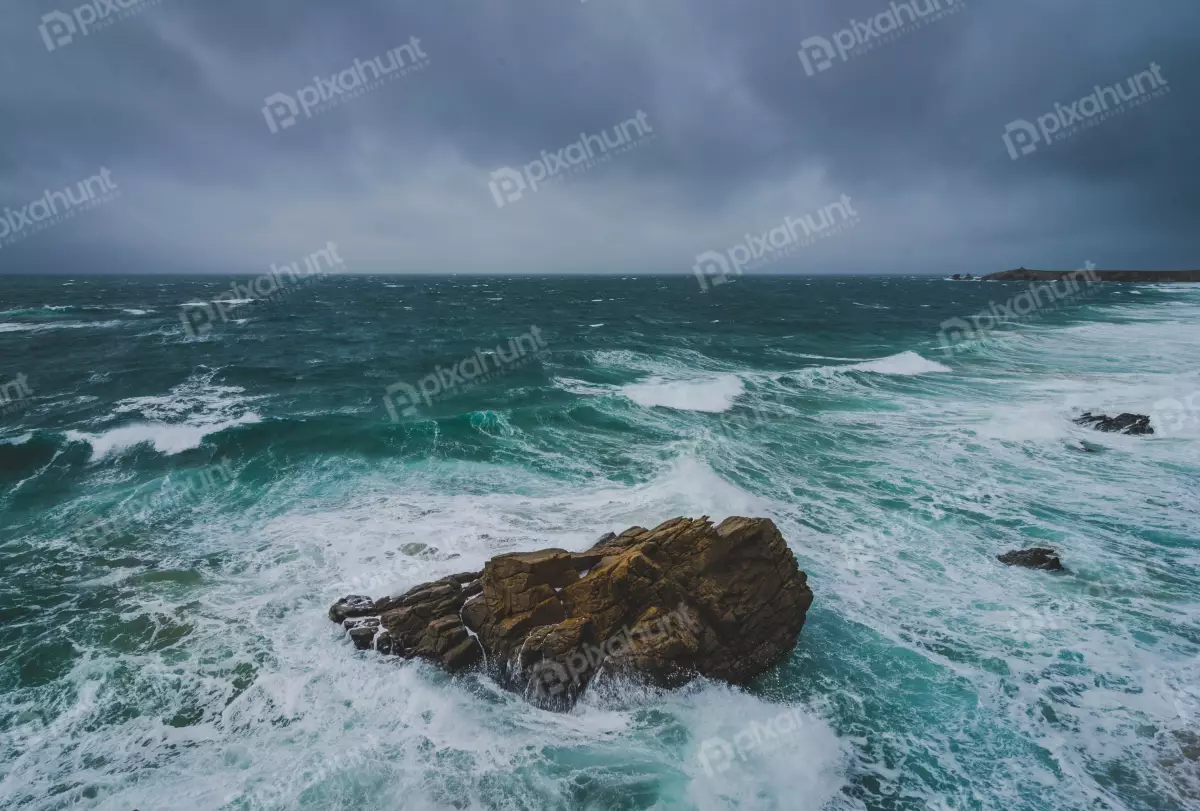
<point x="666" y="604"/>
<point x="1138" y="424"/>
<point x="1033" y="559"/>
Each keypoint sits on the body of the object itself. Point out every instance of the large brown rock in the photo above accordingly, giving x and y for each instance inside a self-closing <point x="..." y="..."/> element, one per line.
<point x="683" y="599"/>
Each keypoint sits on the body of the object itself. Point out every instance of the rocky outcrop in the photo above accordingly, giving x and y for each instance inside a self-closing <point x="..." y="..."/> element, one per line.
<point x="423" y="622"/>
<point x="1137" y="424"/>
<point x="664" y="605"/>
<point x="1118" y="276"/>
<point x="1033" y="559"/>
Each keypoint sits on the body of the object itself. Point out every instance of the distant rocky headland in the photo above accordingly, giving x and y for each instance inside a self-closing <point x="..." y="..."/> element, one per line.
<point x="1122" y="276"/>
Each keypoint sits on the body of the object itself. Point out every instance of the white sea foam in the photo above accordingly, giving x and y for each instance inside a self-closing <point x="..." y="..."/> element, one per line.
<point x="679" y="363"/>
<point x="906" y="364"/>
<point x="583" y="387"/>
<point x="16" y="326"/>
<point x="467" y="526"/>
<point x="28" y="310"/>
<point x="847" y="378"/>
<point x="712" y="395"/>
<point x="165" y="438"/>
<point x="749" y="754"/>
<point x="232" y="302"/>
<point x="316" y="720"/>
<point x="23" y="327"/>
<point x="173" y="422"/>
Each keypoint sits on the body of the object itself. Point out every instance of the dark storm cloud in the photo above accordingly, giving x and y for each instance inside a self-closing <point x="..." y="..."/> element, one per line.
<point x="170" y="100"/>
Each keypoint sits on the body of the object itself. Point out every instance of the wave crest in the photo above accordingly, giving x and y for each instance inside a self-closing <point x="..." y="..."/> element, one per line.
<point x="711" y="395"/>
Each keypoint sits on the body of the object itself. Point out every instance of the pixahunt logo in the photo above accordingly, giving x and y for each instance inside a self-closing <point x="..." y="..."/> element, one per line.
<point x="714" y="268"/>
<point x="54" y="207"/>
<point x="283" y="110"/>
<point x="404" y="399"/>
<point x="174" y="494"/>
<point x="14" y="395"/>
<point x="1172" y="416"/>
<point x="59" y="28"/>
<point x="818" y="53"/>
<point x="718" y="755"/>
<point x="509" y="185"/>
<point x="553" y="677"/>
<point x="199" y="319"/>
<point x="1022" y="307"/>
<point x="1022" y="137"/>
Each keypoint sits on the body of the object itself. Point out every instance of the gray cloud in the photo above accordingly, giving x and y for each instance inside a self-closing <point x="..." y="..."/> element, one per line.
<point x="171" y="100"/>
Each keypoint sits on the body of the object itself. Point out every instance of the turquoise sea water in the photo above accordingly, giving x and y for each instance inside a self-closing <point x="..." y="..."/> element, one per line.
<point x="177" y="513"/>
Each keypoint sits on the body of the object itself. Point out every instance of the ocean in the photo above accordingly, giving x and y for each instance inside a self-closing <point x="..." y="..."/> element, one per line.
<point x="186" y="487"/>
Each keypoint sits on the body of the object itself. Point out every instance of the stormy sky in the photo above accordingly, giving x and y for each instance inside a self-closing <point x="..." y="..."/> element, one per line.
<point x="169" y="98"/>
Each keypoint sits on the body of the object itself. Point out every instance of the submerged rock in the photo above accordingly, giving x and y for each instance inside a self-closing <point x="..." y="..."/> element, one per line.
<point x="665" y="605"/>
<point x="1033" y="559"/>
<point x="1137" y="424"/>
<point x="425" y="552"/>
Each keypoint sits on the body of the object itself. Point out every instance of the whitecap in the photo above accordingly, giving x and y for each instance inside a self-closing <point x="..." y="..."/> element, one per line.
<point x="166" y="438"/>
<point x="712" y="395"/>
<point x="14" y="327"/>
<point x="906" y="363"/>
<point x="173" y="422"/>
<point x="582" y="386"/>
<point x="226" y="301"/>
